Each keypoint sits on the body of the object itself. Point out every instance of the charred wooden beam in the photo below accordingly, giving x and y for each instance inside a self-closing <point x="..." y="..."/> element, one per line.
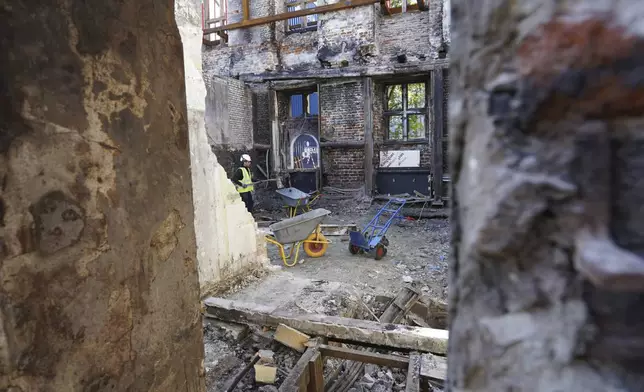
<point x="438" y="99"/>
<point x="433" y="369"/>
<point x="293" y="14"/>
<point x="393" y="361"/>
<point x="345" y="144"/>
<point x="298" y="378"/>
<point x="316" y="373"/>
<point x="336" y="328"/>
<point x="258" y="146"/>
<point x="330" y="73"/>
<point x="413" y="374"/>
<point x="395" y="311"/>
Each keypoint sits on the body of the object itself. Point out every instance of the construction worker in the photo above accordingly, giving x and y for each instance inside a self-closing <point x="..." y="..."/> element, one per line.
<point x="244" y="183"/>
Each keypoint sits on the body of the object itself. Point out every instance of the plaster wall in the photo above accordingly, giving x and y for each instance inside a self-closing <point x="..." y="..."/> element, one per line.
<point x="99" y="287"/>
<point x="228" y="245"/>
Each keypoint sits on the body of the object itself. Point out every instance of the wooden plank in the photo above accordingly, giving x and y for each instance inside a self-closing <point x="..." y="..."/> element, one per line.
<point x="368" y="136"/>
<point x="299" y="374"/>
<point x="431" y="310"/>
<point x="245" y="10"/>
<point x="393" y="361"/>
<point x="392" y="314"/>
<point x="316" y="373"/>
<point x="400" y="305"/>
<point x="265" y="373"/>
<point x="413" y="373"/>
<point x="433" y="368"/>
<point x="291" y="338"/>
<point x="346" y="4"/>
<point x="437" y="136"/>
<point x="336" y="328"/>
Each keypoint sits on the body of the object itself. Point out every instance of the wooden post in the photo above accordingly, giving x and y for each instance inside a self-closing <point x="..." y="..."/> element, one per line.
<point x="316" y="373"/>
<point x="413" y="373"/>
<point x="298" y="378"/>
<point x="275" y="135"/>
<point x="245" y="10"/>
<point x="368" y="135"/>
<point x="437" y="97"/>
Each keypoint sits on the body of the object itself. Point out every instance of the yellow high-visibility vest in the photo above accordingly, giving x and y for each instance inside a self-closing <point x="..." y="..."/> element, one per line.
<point x="246" y="180"/>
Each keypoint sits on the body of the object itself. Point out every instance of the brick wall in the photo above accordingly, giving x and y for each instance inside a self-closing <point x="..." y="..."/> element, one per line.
<point x="229" y="113"/>
<point x="361" y="37"/>
<point x="343" y="167"/>
<point x="342" y="119"/>
<point x="407" y="34"/>
<point x="342" y="110"/>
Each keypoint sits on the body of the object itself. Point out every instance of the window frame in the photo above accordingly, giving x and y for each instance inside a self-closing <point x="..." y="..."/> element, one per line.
<point x="405" y="111"/>
<point x="404" y="8"/>
<point x="298" y="5"/>
<point x="305" y="103"/>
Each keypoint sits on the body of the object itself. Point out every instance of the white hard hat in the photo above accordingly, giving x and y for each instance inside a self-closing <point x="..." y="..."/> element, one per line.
<point x="245" y="157"/>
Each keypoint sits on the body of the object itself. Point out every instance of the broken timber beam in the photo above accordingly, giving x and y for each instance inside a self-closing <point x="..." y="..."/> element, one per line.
<point x="298" y="378"/>
<point x="396" y="309"/>
<point x="381" y="72"/>
<point x="345" y="4"/>
<point x="233" y="383"/>
<point x="413" y="373"/>
<point x="345" y="144"/>
<point x="337" y="328"/>
<point x="393" y="361"/>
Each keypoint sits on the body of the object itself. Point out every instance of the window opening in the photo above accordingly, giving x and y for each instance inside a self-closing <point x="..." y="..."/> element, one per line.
<point x="301" y="22"/>
<point x="406" y="111"/>
<point x="304" y="105"/>
<point x="401" y="6"/>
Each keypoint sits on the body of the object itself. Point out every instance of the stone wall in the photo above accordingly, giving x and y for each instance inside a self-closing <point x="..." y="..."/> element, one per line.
<point x="100" y="287"/>
<point x="226" y="234"/>
<point x="547" y="276"/>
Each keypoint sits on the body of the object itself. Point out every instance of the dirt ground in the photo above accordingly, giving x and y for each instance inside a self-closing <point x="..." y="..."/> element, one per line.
<point x="336" y="284"/>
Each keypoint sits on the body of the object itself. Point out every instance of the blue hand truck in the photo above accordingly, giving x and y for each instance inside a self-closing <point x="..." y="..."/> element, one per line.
<point x="372" y="239"/>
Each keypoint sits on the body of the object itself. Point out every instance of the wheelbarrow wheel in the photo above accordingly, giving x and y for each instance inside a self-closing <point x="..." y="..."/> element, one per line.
<point x="354" y="249"/>
<point x="381" y="251"/>
<point x="315" y="249"/>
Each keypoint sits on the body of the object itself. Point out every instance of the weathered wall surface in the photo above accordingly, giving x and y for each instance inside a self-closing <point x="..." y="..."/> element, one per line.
<point x="359" y="38"/>
<point x="99" y="287"/>
<point x="546" y="115"/>
<point x="229" y="113"/>
<point x="342" y="120"/>
<point x="226" y="233"/>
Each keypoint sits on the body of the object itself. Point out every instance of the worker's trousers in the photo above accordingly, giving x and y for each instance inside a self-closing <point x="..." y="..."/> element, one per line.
<point x="247" y="197"/>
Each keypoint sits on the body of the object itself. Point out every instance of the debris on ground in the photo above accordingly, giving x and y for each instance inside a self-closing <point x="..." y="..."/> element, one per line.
<point x="340" y="285"/>
<point x="280" y="358"/>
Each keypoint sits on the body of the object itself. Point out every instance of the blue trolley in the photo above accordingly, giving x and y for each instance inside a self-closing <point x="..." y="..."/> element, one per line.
<point x="372" y="239"/>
